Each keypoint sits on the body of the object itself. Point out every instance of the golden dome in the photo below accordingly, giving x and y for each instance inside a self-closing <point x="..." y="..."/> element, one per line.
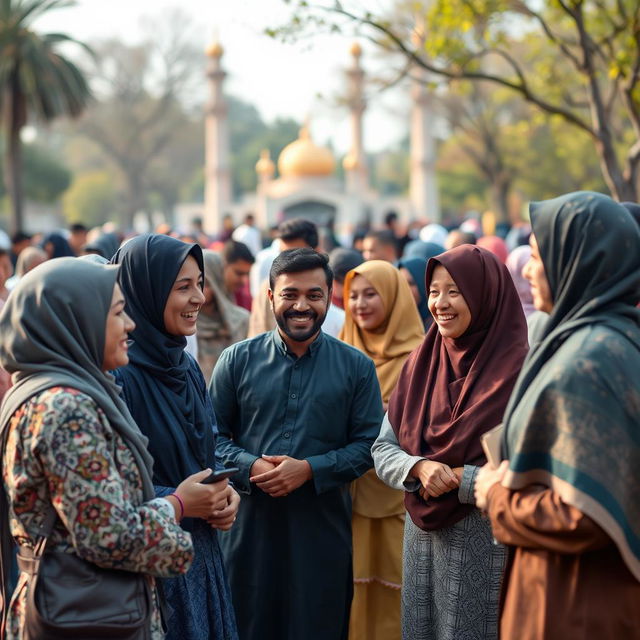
<point x="214" y="50"/>
<point x="304" y="158"/>
<point x="356" y="50"/>
<point x="265" y="166"/>
<point x="350" y="162"/>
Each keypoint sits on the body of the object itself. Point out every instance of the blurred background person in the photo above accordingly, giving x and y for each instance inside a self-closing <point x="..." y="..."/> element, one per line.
<point x="420" y="249"/>
<point x="458" y="237"/>
<point x="341" y="261"/>
<point x="237" y="259"/>
<point x="19" y="241"/>
<point x="28" y="259"/>
<point x="221" y="323"/>
<point x="249" y="234"/>
<point x="227" y="228"/>
<point x="435" y="233"/>
<point x="393" y="224"/>
<point x="414" y="272"/>
<point x="105" y="245"/>
<point x="380" y="244"/>
<point x="77" y="237"/>
<point x="496" y="245"/>
<point x="55" y="245"/>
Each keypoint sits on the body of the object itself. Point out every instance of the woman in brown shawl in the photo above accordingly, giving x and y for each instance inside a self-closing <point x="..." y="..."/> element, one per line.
<point x="566" y="502"/>
<point x="221" y="323"/>
<point x="383" y="322"/>
<point x="454" y="388"/>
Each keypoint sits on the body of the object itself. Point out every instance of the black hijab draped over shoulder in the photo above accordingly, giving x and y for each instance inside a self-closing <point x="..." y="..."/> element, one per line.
<point x="163" y="385"/>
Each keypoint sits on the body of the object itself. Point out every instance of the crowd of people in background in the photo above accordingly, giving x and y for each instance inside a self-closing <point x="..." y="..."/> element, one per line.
<point x="349" y="384"/>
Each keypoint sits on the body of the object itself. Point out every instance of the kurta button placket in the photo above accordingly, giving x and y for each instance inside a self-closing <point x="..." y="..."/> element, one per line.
<point x="289" y="424"/>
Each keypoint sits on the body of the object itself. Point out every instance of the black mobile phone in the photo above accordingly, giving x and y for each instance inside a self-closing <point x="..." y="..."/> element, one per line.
<point x="220" y="474"/>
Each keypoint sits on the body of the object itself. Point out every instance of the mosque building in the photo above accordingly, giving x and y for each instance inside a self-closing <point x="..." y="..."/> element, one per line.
<point x="307" y="185"/>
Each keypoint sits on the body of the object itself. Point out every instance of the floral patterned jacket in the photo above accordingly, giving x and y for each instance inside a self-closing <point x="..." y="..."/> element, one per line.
<point x="62" y="451"/>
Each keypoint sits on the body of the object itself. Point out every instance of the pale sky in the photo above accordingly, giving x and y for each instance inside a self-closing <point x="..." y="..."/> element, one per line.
<point x="279" y="79"/>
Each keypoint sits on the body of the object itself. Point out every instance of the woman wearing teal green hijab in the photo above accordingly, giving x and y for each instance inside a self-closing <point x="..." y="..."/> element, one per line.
<point x="566" y="499"/>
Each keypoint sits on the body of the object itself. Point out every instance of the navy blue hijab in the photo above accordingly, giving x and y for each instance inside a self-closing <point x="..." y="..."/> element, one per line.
<point x="61" y="248"/>
<point x="417" y="267"/>
<point x="163" y="385"/>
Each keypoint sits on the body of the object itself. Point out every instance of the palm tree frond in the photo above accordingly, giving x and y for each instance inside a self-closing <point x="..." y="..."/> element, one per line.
<point x="25" y="12"/>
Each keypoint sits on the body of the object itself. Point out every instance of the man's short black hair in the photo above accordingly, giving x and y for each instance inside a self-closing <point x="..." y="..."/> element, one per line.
<point x="390" y="218"/>
<point x="78" y="227"/>
<point x="298" y="260"/>
<point x="342" y="260"/>
<point x="19" y="236"/>
<point x="385" y="237"/>
<point x="299" y="229"/>
<point x="234" y="251"/>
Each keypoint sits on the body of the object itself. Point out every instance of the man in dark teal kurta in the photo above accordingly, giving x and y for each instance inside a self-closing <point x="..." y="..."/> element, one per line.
<point x="311" y="404"/>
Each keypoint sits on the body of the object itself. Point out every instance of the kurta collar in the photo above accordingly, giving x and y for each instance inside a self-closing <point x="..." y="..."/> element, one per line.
<point x="281" y="345"/>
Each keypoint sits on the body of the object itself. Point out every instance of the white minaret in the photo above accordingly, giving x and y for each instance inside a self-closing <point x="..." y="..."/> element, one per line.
<point x="423" y="186"/>
<point x="217" y="177"/>
<point x="354" y="163"/>
<point x="265" y="168"/>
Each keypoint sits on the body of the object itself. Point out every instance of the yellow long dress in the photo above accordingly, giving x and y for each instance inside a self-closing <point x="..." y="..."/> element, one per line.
<point x="378" y="511"/>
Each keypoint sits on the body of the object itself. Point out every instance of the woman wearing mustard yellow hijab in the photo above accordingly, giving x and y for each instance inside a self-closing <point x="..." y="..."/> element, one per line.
<point x="383" y="322"/>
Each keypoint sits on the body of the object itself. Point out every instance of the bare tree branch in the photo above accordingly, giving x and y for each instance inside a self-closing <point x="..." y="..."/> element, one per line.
<point x="526" y="10"/>
<point x="522" y="89"/>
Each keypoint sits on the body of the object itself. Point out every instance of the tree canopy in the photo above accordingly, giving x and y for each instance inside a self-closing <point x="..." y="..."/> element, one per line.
<point x="575" y="60"/>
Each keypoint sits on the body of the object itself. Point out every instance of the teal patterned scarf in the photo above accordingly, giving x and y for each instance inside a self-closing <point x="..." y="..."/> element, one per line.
<point x="573" y="420"/>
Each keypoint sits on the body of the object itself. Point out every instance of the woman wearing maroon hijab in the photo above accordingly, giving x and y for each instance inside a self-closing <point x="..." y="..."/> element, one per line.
<point x="453" y="388"/>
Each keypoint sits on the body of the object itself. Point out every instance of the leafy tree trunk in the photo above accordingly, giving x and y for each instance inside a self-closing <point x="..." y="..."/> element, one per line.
<point x="15" y="117"/>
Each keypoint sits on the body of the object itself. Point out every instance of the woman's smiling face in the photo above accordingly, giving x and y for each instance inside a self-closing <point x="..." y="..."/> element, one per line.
<point x="365" y="304"/>
<point x="447" y="305"/>
<point x="185" y="300"/>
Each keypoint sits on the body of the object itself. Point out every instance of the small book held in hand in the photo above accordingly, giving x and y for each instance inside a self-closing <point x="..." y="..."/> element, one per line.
<point x="491" y="441"/>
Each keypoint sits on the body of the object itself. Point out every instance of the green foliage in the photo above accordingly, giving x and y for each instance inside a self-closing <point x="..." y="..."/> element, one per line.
<point x="390" y="175"/>
<point x="45" y="177"/>
<point x="92" y="199"/>
<point x="30" y="65"/>
<point x="249" y="134"/>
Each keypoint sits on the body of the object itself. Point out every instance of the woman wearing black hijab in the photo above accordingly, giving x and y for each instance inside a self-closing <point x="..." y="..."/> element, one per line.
<point x="162" y="280"/>
<point x="56" y="246"/>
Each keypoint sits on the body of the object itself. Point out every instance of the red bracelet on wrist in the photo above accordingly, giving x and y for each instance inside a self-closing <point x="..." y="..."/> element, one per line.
<point x="179" y="499"/>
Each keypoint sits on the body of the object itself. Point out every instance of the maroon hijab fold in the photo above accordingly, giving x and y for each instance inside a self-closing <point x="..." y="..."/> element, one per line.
<point x="451" y="391"/>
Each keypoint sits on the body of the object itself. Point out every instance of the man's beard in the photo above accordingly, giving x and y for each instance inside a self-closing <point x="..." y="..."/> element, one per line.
<point x="300" y="335"/>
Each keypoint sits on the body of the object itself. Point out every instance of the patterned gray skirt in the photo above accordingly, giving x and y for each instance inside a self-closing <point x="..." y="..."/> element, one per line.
<point x="451" y="581"/>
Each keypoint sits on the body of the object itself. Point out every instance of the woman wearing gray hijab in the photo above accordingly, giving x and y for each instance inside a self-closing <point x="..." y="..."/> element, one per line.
<point x="72" y="443"/>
